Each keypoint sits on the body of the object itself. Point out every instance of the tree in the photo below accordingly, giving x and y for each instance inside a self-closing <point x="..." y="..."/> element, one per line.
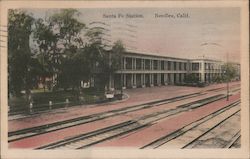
<point x="98" y="65"/>
<point x="105" y="62"/>
<point x="58" y="38"/>
<point x="229" y="71"/>
<point x="68" y="29"/>
<point x="74" y="70"/>
<point x="109" y="63"/>
<point x="117" y="51"/>
<point x="191" y="78"/>
<point x="98" y="56"/>
<point x="46" y="40"/>
<point x="117" y="57"/>
<point x="20" y="60"/>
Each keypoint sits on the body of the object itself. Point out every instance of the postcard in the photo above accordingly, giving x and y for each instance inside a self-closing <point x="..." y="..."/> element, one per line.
<point x="124" y="79"/>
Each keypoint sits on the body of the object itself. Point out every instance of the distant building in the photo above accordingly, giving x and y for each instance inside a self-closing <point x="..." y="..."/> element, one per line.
<point x="146" y="70"/>
<point x="141" y="69"/>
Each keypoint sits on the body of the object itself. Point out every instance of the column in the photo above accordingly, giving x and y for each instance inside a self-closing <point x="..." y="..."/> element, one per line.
<point x="142" y="64"/>
<point x="124" y="63"/>
<point x="182" y="77"/>
<point x="151" y="64"/>
<point x="124" y="81"/>
<point x="202" y="72"/>
<point x="150" y="61"/>
<point x="177" y="78"/>
<point x="130" y="82"/>
<point x="111" y="82"/>
<point x="158" y="79"/>
<point x="165" y="78"/>
<point x="135" y="64"/>
<point x="189" y="65"/>
<point x="151" y="80"/>
<point x="132" y="63"/>
<point x="134" y="80"/>
<point x="172" y="65"/>
<point x="142" y="80"/>
<point x="172" y="78"/>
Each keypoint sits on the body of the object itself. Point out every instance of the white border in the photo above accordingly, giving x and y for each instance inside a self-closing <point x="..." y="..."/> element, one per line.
<point x="132" y="153"/>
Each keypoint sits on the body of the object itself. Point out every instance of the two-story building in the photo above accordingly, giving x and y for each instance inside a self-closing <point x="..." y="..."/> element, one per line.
<point x="146" y="70"/>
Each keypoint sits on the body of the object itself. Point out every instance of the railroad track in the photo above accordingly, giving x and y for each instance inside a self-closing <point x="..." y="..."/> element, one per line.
<point x="29" y="132"/>
<point x="88" y="139"/>
<point x="94" y="137"/>
<point x="197" y="142"/>
<point x="177" y="138"/>
<point x="235" y="141"/>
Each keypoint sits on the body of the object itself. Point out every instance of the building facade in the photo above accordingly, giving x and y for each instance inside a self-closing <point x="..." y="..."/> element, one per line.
<point x="147" y="70"/>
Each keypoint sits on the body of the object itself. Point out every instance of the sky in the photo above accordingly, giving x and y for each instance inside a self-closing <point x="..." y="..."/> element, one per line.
<point x="208" y="32"/>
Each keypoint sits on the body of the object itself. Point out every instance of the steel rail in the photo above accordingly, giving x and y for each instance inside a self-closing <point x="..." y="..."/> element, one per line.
<point x="38" y="130"/>
<point x="161" y="141"/>
<point x="20" y="134"/>
<point x="212" y="128"/>
<point x="233" y="140"/>
<point x="139" y="123"/>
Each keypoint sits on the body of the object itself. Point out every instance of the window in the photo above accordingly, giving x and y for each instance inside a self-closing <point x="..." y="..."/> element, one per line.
<point x="180" y="65"/>
<point x="169" y="65"/>
<point x="138" y="64"/>
<point x="129" y="63"/>
<point x="162" y="65"/>
<point x="195" y="66"/>
<point x="185" y="66"/>
<point x="147" y="64"/>
<point x="155" y="64"/>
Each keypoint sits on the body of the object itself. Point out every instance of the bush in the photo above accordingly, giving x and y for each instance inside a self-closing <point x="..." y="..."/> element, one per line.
<point x="191" y="78"/>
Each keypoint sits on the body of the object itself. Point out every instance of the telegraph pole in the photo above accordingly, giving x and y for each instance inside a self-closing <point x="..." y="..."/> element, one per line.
<point x="227" y="79"/>
<point x="227" y="69"/>
<point x="121" y="75"/>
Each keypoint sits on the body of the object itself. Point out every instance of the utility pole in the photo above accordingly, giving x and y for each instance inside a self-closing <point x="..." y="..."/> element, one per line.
<point x="227" y="69"/>
<point x="227" y="79"/>
<point x="121" y="68"/>
<point x="110" y="82"/>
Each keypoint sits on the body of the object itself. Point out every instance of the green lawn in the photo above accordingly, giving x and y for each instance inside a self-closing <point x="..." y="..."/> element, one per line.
<point x="41" y="98"/>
